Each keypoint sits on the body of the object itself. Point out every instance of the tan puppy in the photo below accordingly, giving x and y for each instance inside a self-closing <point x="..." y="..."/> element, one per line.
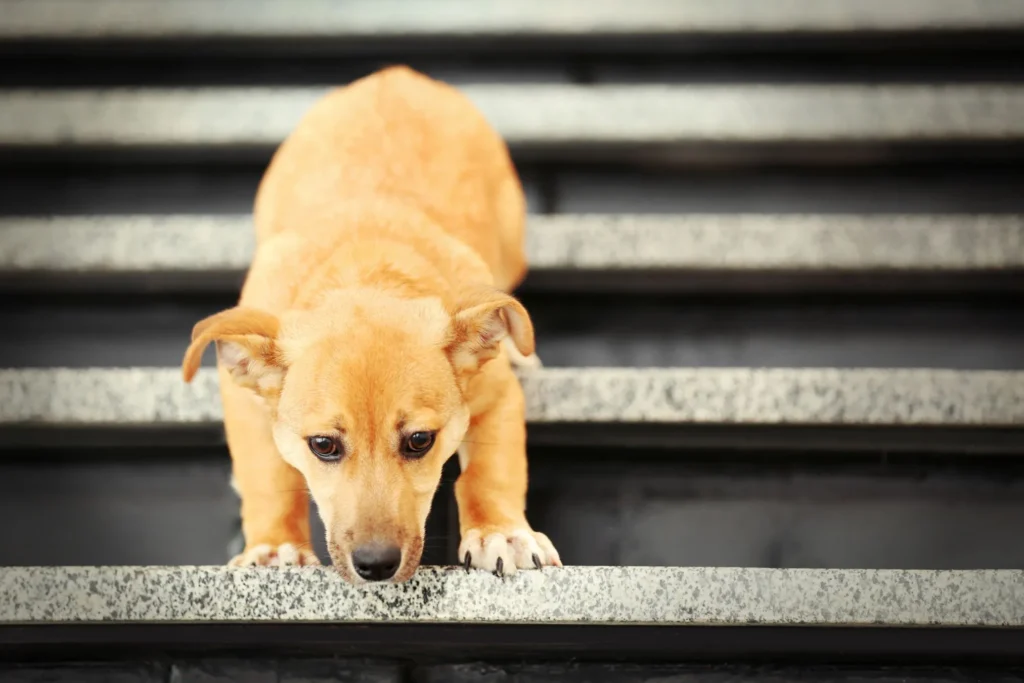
<point x="371" y="341"/>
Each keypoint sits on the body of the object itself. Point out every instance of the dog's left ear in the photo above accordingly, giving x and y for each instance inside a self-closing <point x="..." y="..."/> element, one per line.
<point x="481" y="320"/>
<point x="246" y="341"/>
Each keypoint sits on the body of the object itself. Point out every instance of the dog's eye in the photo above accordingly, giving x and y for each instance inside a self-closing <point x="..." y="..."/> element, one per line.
<point x="417" y="444"/>
<point x="326" y="448"/>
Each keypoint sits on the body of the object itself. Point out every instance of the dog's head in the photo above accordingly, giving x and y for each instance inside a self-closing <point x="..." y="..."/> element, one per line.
<point x="365" y="392"/>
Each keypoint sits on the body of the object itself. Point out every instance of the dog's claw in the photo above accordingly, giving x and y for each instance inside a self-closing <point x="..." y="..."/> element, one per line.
<point x="468" y="562"/>
<point x="284" y="555"/>
<point x="503" y="552"/>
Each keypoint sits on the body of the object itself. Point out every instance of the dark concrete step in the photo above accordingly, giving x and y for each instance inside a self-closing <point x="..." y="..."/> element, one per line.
<point x="958" y="331"/>
<point x="227" y="669"/>
<point x="893" y="63"/>
<point x="673" y="506"/>
<point x="106" y="188"/>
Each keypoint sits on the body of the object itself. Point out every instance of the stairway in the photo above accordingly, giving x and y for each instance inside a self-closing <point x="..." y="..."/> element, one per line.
<point x="777" y="279"/>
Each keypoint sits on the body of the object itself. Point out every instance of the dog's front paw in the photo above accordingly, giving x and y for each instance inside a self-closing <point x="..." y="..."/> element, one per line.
<point x="503" y="551"/>
<point x="284" y="555"/>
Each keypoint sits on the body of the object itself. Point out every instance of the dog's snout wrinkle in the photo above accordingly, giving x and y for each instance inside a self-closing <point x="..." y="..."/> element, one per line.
<point x="376" y="561"/>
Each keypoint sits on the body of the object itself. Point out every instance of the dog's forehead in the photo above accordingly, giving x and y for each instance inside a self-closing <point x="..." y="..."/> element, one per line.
<point x="361" y="320"/>
<point x="352" y="383"/>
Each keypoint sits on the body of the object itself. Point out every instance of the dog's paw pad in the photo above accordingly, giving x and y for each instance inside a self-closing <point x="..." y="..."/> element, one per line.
<point x="284" y="555"/>
<point x="505" y="551"/>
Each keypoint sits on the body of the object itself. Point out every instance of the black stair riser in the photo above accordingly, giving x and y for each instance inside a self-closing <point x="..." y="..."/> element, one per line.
<point x="442" y="642"/>
<point x="991" y="62"/>
<point x="594" y="329"/>
<point x="600" y="506"/>
<point x="105" y="188"/>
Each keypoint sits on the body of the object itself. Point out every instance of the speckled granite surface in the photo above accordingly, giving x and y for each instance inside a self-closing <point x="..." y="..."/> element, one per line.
<point x="108" y="396"/>
<point x="536" y="114"/>
<point x="765" y="242"/>
<point x="775" y="396"/>
<point x="126" y="243"/>
<point x="143" y="396"/>
<point x="72" y="18"/>
<point x="570" y="595"/>
<point x="688" y="242"/>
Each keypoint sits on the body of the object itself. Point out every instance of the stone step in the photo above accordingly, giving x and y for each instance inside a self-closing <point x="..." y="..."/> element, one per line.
<point x="940" y="409"/>
<point x="546" y="121"/>
<point x="720" y="596"/>
<point x="664" y="611"/>
<point x="361" y="20"/>
<point x="565" y="251"/>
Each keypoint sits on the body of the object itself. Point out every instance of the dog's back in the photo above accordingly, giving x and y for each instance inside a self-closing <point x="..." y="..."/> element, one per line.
<point x="401" y="137"/>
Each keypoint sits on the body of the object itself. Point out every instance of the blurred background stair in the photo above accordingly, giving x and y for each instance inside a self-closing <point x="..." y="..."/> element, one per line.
<point x="778" y="276"/>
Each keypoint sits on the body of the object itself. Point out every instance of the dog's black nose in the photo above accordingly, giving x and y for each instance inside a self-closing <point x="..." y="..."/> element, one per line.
<point x="376" y="562"/>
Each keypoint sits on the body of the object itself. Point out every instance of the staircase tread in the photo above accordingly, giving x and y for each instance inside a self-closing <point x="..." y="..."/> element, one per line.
<point x="698" y="396"/>
<point x="593" y="595"/>
<point x="538" y="115"/>
<point x="735" y="242"/>
<point x="230" y="19"/>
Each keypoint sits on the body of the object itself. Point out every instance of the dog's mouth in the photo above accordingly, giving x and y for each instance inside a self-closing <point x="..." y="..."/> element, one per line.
<point x="376" y="562"/>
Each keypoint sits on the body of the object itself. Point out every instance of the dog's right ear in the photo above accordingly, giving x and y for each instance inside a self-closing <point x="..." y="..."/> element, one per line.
<point x="482" y="318"/>
<point x="246" y="341"/>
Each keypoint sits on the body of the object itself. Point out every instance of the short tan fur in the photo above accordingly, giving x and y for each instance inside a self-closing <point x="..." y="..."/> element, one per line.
<point x="376" y="316"/>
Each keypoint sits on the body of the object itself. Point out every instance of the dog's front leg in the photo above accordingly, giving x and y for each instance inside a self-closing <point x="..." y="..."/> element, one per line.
<point x="275" y="501"/>
<point x="491" y="491"/>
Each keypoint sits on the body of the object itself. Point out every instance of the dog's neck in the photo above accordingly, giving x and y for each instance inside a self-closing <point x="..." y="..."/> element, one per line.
<point x="397" y="268"/>
<point x="382" y="265"/>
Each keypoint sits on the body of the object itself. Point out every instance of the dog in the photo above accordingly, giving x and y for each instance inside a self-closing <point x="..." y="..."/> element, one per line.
<point x="376" y="335"/>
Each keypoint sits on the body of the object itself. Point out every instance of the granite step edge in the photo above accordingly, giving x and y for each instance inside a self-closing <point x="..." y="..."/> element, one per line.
<point x="638" y="396"/>
<point x="542" y="18"/>
<point x="535" y="115"/>
<point x="740" y="242"/>
<point x="571" y="595"/>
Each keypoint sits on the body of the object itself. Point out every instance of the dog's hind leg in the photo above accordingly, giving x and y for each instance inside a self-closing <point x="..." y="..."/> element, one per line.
<point x="510" y="223"/>
<point x="518" y="360"/>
